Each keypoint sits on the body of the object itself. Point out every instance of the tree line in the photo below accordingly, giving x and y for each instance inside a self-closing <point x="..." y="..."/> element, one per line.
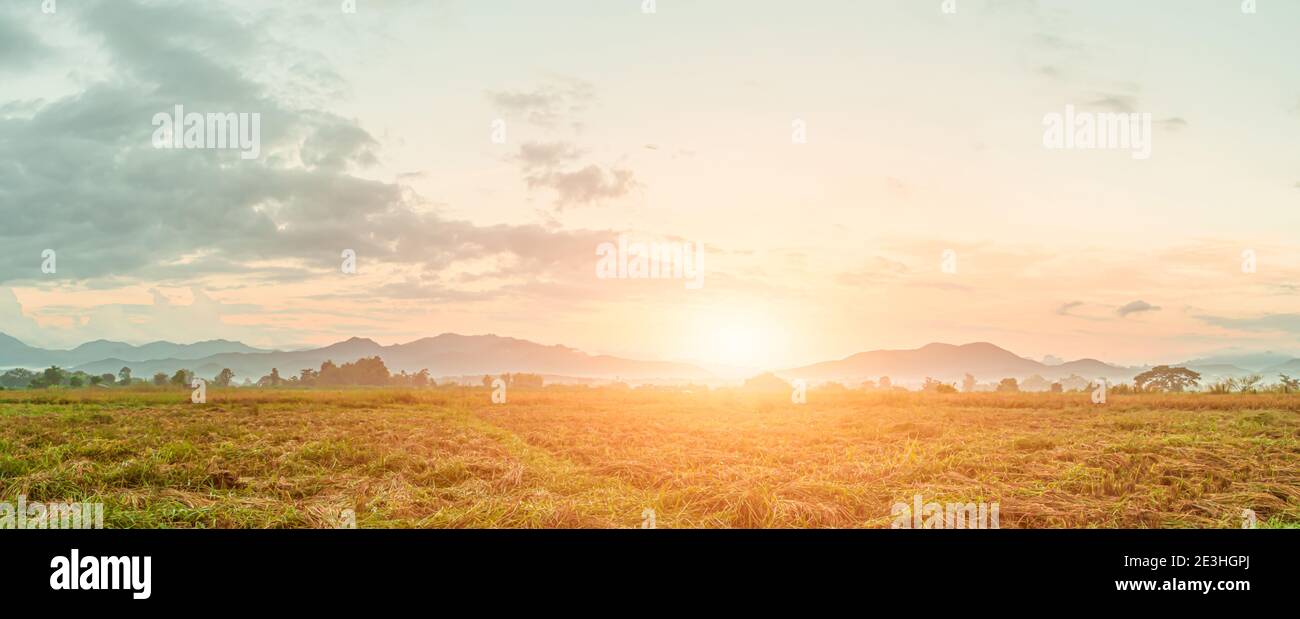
<point x="1159" y="379"/>
<point x="369" y="371"/>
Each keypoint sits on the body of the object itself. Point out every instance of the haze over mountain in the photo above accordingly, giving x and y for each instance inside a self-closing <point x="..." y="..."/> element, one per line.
<point x="990" y="363"/>
<point x="1256" y="362"/>
<point x="448" y="354"/>
<point x="452" y="354"/>
<point x="14" y="353"/>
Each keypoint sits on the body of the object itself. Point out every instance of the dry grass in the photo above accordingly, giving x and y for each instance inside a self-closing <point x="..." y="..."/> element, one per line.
<point x="597" y="458"/>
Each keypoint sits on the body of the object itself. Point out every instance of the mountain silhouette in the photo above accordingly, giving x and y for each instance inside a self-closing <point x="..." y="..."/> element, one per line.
<point x="950" y="363"/>
<point x="452" y="354"/>
<point x="448" y="354"/>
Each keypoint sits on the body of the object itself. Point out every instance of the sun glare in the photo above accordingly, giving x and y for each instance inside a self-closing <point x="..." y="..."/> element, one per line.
<point x="736" y="345"/>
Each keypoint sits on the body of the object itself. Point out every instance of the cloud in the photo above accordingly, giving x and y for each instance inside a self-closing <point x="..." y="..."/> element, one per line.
<point x="1122" y="104"/>
<point x="546" y="105"/>
<point x="19" y="48"/>
<point x="334" y="147"/>
<point x="1173" y="124"/>
<point x="547" y="155"/>
<point x="586" y="186"/>
<point x="15" y="322"/>
<point x="203" y="318"/>
<point x="1136" y="307"/>
<point x="79" y="173"/>
<point x="1064" y="309"/>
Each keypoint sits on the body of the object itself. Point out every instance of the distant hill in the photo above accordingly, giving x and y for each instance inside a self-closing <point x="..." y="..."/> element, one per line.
<point x="1249" y="362"/>
<point x="448" y="354"/>
<point x="950" y="363"/>
<point x="1290" y="368"/>
<point x="1214" y="371"/>
<point x="456" y="355"/>
<point x="14" y="353"/>
<point x="1090" y="368"/>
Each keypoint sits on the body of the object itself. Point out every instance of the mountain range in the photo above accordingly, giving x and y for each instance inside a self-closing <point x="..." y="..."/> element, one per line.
<point x="990" y="363"/>
<point x="448" y="354"/>
<point x="452" y="354"/>
<point x="14" y="353"/>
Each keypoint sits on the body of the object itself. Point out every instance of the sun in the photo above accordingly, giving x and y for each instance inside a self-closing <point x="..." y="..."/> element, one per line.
<point x="733" y="338"/>
<point x="737" y="345"/>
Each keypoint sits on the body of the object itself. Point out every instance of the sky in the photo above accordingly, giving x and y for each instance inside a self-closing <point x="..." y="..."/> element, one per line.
<point x="858" y="174"/>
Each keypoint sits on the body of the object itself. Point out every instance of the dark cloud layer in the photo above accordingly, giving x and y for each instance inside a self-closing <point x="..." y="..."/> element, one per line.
<point x="80" y="175"/>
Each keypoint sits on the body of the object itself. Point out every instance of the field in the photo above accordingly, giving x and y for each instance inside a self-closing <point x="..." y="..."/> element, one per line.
<point x="600" y="458"/>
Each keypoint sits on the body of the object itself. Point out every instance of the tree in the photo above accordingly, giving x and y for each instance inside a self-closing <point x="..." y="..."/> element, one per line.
<point x="1226" y="385"/>
<point x="74" y="381"/>
<point x="1249" y="384"/>
<point x="160" y="379"/>
<point x="1165" y="378"/>
<point x="182" y="378"/>
<point x="329" y="373"/>
<point x="53" y="376"/>
<point x="224" y="378"/>
<point x="17" y="378"/>
<point x="1056" y="387"/>
<point x="1008" y="385"/>
<point x="885" y="383"/>
<point x="934" y="386"/>
<point x="487" y="381"/>
<point x="766" y="381"/>
<point x="270" y="380"/>
<point x="1289" y="384"/>
<point x="367" y="371"/>
<point x="108" y="378"/>
<point x="1035" y="383"/>
<point x="534" y="381"/>
<point x="1074" y="382"/>
<point x="124" y="376"/>
<point x="96" y="380"/>
<point x="968" y="383"/>
<point x="420" y="379"/>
